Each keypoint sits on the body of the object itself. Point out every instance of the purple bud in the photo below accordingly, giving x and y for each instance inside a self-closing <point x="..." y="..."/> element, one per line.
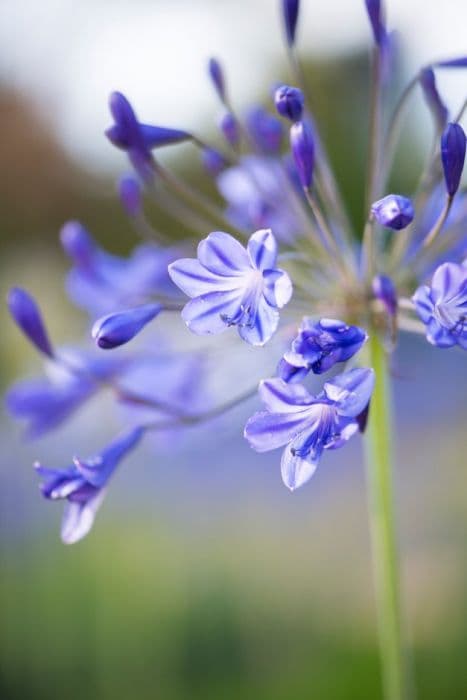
<point x="129" y="191"/>
<point x="453" y="156"/>
<point x="229" y="127"/>
<point x="384" y="289"/>
<point x="460" y="62"/>
<point x="217" y="76"/>
<point x="289" y="102"/>
<point x="290" y="10"/>
<point x="432" y="96"/>
<point x="303" y="151"/>
<point x="77" y="243"/>
<point x="264" y="129"/>
<point x="375" y="10"/>
<point x="213" y="161"/>
<point x="27" y="316"/>
<point x="393" y="211"/>
<point x="118" y="328"/>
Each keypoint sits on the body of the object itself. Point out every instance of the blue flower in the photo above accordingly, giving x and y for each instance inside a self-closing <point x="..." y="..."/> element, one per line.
<point x="102" y="283"/>
<point x="443" y="306"/>
<point x="453" y="145"/>
<point x="119" y="328"/>
<point x="289" y="102"/>
<point x="83" y="484"/>
<point x="308" y="424"/>
<point x="264" y="129"/>
<point x="27" y="315"/>
<point x="319" y="346"/>
<point x="233" y="286"/>
<point x="303" y="150"/>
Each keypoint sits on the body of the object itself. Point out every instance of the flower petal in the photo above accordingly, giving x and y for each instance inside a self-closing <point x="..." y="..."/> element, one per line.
<point x="78" y="518"/>
<point x="265" y="323"/>
<point x="194" y="279"/>
<point x="277" y="287"/>
<point x="351" y="391"/>
<point x="262" y="249"/>
<point x="280" y="397"/>
<point x="266" y="431"/>
<point x="209" y="313"/>
<point x="223" y="255"/>
<point x="446" y="282"/>
<point x="296" y="471"/>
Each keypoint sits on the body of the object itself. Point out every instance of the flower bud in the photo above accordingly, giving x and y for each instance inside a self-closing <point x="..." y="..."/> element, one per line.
<point x="375" y="10"/>
<point x="117" y="329"/>
<point x="77" y="243"/>
<point x="290" y="9"/>
<point x="303" y="151"/>
<point x="460" y="62"/>
<point x="217" y="77"/>
<point x="229" y="127"/>
<point x="432" y="96"/>
<point x="129" y="191"/>
<point x="384" y="289"/>
<point x="453" y="156"/>
<point x="213" y="161"/>
<point x="289" y="102"/>
<point x="27" y="316"/>
<point x="393" y="211"/>
<point x="264" y="129"/>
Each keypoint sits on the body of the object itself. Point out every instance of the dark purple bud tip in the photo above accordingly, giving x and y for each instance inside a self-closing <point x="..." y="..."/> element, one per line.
<point x="290" y="9"/>
<point x="129" y="192"/>
<point x="375" y="10"/>
<point x="117" y="329"/>
<point x="213" y="161"/>
<point x="77" y="243"/>
<point x="393" y="211"/>
<point x="217" y="77"/>
<point x="384" y="289"/>
<point x="289" y="102"/>
<point x="453" y="156"/>
<point x="303" y="151"/>
<point x="26" y="314"/>
<point x="229" y="127"/>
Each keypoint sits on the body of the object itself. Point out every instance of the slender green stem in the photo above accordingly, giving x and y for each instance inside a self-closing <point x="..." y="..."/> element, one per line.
<point x="382" y="527"/>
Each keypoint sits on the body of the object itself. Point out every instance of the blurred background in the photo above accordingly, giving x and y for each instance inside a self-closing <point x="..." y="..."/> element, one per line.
<point x="204" y="578"/>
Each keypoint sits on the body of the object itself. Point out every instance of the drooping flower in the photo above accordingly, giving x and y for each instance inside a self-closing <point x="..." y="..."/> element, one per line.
<point x="307" y="425"/>
<point x="393" y="211"/>
<point x="318" y="346"/>
<point x="233" y="286"/>
<point x="83" y="484"/>
<point x="442" y="306"/>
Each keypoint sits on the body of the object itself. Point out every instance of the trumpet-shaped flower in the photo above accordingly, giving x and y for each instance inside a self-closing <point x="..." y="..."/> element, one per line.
<point x="233" y="286"/>
<point x="308" y="424"/>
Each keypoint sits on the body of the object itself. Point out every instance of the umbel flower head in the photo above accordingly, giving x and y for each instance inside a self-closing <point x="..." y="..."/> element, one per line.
<point x="271" y="261"/>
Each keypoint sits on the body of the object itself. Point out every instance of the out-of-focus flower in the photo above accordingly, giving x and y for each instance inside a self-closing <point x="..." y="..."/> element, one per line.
<point x="121" y="327"/>
<point x="385" y="290"/>
<point x="303" y="151"/>
<point x="393" y="211"/>
<point x="308" y="424"/>
<point x="233" y="286"/>
<point x="27" y="316"/>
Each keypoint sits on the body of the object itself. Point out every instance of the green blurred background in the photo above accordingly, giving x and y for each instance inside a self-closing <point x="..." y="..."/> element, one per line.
<point x="203" y="577"/>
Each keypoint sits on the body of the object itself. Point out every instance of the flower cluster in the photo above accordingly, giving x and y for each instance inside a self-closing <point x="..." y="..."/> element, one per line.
<point x="273" y="254"/>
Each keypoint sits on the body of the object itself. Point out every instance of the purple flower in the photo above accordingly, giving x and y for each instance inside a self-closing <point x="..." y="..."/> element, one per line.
<point x="385" y="290"/>
<point x="138" y="139"/>
<point x="393" y="211"/>
<point x="432" y="96"/>
<point x="375" y="10"/>
<point x="308" y="424"/>
<point x="233" y="286"/>
<point x="289" y="102"/>
<point x="265" y="130"/>
<point x="129" y="191"/>
<point x="213" y="161"/>
<point x="453" y="144"/>
<point x="443" y="306"/>
<point x="290" y="9"/>
<point x="319" y="346"/>
<point x="27" y="315"/>
<point x="303" y="151"/>
<point x="83" y="485"/>
<point x="103" y="283"/>
<point x="119" y="328"/>
<point x="254" y="191"/>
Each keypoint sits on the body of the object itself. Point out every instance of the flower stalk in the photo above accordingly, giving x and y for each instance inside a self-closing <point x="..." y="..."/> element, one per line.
<point x="378" y="444"/>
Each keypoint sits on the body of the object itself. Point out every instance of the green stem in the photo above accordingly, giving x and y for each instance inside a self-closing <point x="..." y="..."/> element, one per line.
<point x="382" y="527"/>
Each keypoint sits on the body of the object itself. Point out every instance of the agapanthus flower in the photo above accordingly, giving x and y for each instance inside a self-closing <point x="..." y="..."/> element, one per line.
<point x="83" y="484"/>
<point x="318" y="346"/>
<point x="307" y="425"/>
<point x="442" y="306"/>
<point x="233" y="286"/>
<point x="393" y="211"/>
